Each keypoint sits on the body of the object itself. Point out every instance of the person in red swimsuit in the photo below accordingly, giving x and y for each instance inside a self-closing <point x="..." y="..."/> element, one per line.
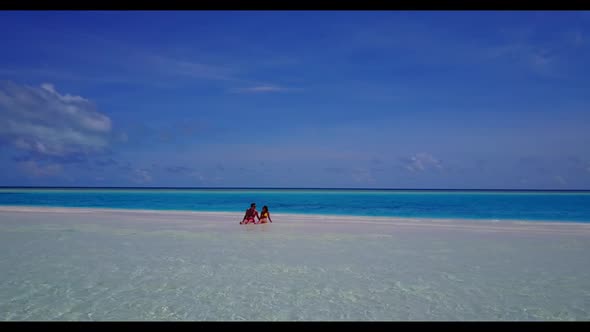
<point x="250" y="215"/>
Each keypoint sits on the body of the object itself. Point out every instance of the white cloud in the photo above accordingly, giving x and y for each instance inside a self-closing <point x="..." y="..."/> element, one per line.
<point x="192" y="69"/>
<point x="540" y="59"/>
<point x="535" y="57"/>
<point x="361" y="175"/>
<point x="141" y="176"/>
<point x="123" y="137"/>
<point x="41" y="120"/>
<point x="35" y="169"/>
<point x="197" y="175"/>
<point x="578" y="164"/>
<point x="575" y="37"/>
<point x="560" y="179"/>
<point x="261" y="89"/>
<point x="228" y="72"/>
<point x="422" y="162"/>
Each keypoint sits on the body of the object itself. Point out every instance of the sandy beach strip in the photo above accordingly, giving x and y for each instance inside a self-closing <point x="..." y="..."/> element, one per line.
<point x="315" y="222"/>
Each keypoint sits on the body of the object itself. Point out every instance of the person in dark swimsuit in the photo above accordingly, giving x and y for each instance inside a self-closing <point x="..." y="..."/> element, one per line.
<point x="250" y="215"/>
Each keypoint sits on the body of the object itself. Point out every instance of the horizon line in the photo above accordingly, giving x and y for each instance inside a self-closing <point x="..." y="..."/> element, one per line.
<point x="283" y="188"/>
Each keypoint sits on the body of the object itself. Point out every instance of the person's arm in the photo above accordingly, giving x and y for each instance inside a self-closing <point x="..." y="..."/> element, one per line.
<point x="242" y="221"/>
<point x="269" y="217"/>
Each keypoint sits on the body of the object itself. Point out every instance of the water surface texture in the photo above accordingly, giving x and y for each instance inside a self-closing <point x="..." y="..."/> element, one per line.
<point x="531" y="205"/>
<point x="182" y="266"/>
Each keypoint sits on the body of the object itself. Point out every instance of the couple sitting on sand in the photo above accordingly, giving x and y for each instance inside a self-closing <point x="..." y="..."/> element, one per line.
<point x="251" y="213"/>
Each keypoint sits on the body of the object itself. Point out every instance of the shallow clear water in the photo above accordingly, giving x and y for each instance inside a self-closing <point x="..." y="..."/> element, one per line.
<point x="554" y="206"/>
<point x="113" y="267"/>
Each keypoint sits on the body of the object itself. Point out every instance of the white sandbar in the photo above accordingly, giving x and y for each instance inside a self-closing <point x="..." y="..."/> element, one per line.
<point x="100" y="264"/>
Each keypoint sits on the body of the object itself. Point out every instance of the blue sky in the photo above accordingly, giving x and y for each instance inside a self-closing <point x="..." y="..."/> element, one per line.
<point x="295" y="99"/>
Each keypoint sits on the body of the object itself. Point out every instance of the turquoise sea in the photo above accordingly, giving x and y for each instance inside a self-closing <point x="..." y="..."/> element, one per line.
<point x="79" y="265"/>
<point x="522" y="205"/>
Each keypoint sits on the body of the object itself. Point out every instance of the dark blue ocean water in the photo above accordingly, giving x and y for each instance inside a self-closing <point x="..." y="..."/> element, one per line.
<point x="530" y="205"/>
